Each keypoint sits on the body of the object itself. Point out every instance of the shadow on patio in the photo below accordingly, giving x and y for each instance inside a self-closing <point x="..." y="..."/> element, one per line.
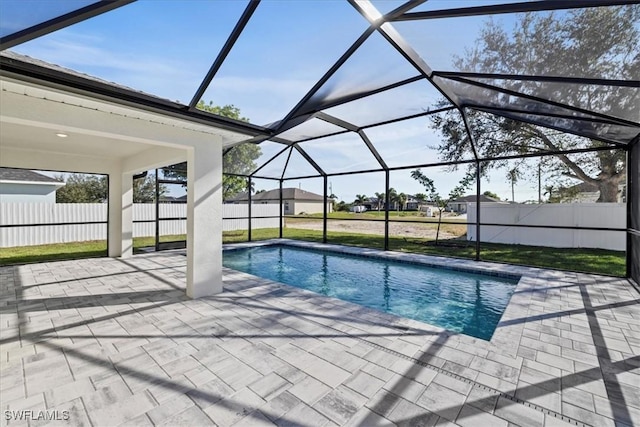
<point x="263" y="353"/>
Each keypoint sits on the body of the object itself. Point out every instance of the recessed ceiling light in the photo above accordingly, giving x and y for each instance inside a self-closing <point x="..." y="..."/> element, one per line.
<point x="61" y="135"/>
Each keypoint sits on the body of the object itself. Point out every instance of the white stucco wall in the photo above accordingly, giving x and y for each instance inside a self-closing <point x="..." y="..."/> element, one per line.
<point x="292" y="207"/>
<point x="308" y="207"/>
<point x="27" y="193"/>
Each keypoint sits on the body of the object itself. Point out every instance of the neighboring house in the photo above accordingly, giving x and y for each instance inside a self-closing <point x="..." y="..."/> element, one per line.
<point x="371" y="204"/>
<point x="412" y="204"/>
<point x="173" y="199"/>
<point x="23" y="185"/>
<point x="584" y="193"/>
<point x="459" y="205"/>
<point x="294" y="200"/>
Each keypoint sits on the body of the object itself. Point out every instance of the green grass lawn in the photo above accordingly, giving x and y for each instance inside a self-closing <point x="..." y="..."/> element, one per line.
<point x="53" y="252"/>
<point x="72" y="250"/>
<point x="598" y="261"/>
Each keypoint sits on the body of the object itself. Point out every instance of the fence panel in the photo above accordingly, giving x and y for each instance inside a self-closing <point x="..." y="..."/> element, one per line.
<point x="28" y="214"/>
<point x="51" y="213"/>
<point x="606" y="215"/>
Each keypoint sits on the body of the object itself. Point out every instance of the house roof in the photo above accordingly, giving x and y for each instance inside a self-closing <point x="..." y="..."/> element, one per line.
<point x="40" y="63"/>
<point x="26" y="176"/>
<point x="287" y="194"/>
<point x="584" y="187"/>
<point x="12" y="58"/>
<point x="173" y="199"/>
<point x="472" y="199"/>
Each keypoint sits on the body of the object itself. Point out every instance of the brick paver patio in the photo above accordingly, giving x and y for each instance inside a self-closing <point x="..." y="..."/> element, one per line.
<point x="116" y="342"/>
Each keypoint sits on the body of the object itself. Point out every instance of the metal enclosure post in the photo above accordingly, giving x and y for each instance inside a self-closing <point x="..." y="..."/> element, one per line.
<point x="157" y="245"/>
<point x="325" y="211"/>
<point x="386" y="210"/>
<point x="633" y="211"/>
<point x="281" y="209"/>
<point x="249" y="209"/>
<point x="108" y="210"/>
<point x="630" y="201"/>
<point x="477" y="211"/>
<point x="477" y="161"/>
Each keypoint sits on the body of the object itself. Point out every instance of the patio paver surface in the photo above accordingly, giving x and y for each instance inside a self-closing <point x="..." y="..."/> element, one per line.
<point x="108" y="342"/>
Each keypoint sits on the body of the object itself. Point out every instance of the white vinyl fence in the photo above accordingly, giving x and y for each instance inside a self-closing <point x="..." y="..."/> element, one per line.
<point x="605" y="215"/>
<point x="33" y="215"/>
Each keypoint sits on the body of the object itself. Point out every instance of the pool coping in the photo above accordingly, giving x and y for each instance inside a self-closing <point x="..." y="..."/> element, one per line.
<point x="530" y="278"/>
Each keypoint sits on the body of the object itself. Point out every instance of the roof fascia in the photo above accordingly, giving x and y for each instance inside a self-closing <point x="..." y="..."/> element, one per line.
<point x="57" y="79"/>
<point x="49" y="183"/>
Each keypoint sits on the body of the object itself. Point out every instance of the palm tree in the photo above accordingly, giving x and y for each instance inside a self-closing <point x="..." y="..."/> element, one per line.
<point x="360" y="199"/>
<point x="402" y="201"/>
<point x="380" y="197"/>
<point x="393" y="197"/>
<point x="513" y="176"/>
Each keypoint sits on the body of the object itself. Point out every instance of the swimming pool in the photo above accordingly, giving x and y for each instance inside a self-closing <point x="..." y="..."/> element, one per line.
<point x="468" y="303"/>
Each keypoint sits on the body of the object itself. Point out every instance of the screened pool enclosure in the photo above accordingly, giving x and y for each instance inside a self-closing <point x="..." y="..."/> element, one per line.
<point x="366" y="92"/>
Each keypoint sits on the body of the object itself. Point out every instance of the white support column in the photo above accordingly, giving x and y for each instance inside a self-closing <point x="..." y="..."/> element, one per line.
<point x="120" y="236"/>
<point x="127" y="215"/>
<point x="204" y="220"/>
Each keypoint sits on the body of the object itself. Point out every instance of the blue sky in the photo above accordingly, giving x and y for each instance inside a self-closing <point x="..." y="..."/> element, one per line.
<point x="166" y="47"/>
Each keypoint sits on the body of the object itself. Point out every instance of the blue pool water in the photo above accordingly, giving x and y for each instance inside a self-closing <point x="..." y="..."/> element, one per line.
<point x="471" y="304"/>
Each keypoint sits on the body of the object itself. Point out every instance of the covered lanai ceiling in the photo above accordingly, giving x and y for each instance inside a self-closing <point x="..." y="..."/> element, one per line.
<point x="345" y="77"/>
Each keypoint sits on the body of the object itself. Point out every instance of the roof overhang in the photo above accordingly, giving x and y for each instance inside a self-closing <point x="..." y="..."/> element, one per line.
<point x="33" y="71"/>
<point x="48" y="183"/>
<point x="107" y="132"/>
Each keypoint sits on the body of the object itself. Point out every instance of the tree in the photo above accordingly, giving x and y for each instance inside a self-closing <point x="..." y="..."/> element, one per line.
<point x="393" y="197"/>
<point x="343" y="207"/>
<point x="240" y="159"/>
<point x="82" y="188"/>
<point x="402" y="202"/>
<point x="334" y="201"/>
<point x="380" y="199"/>
<point x="144" y="189"/>
<point x="560" y="194"/>
<point x="491" y="194"/>
<point x="360" y="199"/>
<point x="513" y="175"/>
<point x="592" y="42"/>
<point x="434" y="196"/>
